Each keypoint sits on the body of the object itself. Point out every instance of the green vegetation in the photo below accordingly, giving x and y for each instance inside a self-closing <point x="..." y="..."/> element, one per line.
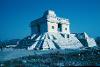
<point x="87" y="57"/>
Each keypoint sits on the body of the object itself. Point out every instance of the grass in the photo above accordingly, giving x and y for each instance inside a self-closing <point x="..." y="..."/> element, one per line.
<point x="88" y="57"/>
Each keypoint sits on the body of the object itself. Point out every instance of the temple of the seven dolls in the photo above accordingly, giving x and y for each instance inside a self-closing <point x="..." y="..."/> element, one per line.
<point x="52" y="32"/>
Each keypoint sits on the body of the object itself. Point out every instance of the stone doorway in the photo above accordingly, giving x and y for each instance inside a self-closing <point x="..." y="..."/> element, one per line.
<point x="59" y="27"/>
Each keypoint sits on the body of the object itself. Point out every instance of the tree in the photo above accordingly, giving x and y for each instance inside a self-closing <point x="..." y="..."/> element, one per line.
<point x="2" y="45"/>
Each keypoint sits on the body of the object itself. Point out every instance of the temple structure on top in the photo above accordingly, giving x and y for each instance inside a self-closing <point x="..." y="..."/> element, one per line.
<point x="49" y="22"/>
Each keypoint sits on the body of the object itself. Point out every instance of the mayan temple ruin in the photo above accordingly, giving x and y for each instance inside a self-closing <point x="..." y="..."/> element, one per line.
<point x="52" y="32"/>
